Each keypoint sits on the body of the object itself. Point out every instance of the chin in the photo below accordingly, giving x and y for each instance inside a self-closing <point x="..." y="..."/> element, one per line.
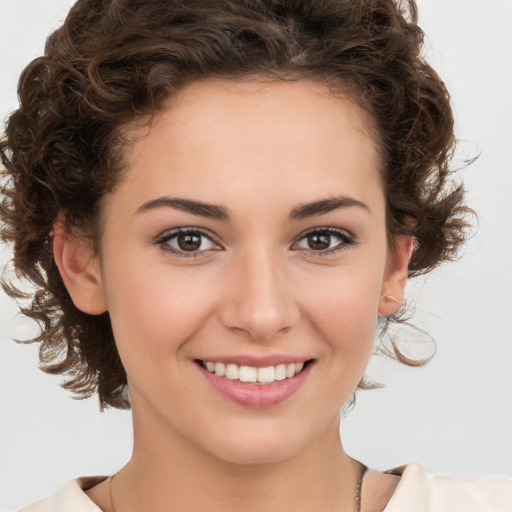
<point x="256" y="455"/>
<point x="260" y="445"/>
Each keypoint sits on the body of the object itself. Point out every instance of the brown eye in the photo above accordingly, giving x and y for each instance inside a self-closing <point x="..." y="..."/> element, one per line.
<point x="319" y="242"/>
<point x="188" y="242"/>
<point x="325" y="241"/>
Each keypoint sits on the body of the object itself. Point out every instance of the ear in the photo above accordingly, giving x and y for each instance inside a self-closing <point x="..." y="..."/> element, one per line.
<point x="80" y="270"/>
<point x="393" y="286"/>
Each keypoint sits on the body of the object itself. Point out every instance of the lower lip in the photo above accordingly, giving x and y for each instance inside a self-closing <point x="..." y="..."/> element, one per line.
<point x="258" y="396"/>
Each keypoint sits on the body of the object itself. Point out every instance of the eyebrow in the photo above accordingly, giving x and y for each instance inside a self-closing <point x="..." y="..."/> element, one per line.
<point x="324" y="206"/>
<point x="217" y="212"/>
<point x="211" y="211"/>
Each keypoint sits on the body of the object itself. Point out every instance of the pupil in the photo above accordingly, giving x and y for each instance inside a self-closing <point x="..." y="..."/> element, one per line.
<point x="189" y="242"/>
<point x="319" y="241"/>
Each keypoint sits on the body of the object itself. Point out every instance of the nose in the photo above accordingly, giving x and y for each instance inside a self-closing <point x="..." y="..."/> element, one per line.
<point x="260" y="299"/>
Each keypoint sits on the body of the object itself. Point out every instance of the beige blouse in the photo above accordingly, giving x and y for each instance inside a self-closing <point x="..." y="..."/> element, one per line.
<point x="418" y="491"/>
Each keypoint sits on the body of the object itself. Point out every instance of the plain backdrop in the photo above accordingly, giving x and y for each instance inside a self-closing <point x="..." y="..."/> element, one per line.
<point x="453" y="416"/>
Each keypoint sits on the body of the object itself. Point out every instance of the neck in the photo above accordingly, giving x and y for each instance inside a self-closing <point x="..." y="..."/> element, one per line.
<point x="168" y="472"/>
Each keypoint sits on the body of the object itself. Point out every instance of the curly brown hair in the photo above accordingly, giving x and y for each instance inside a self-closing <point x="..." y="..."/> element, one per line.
<point x="116" y="62"/>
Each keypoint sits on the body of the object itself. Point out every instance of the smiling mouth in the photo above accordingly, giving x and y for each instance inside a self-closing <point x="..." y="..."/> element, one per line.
<point x="253" y="375"/>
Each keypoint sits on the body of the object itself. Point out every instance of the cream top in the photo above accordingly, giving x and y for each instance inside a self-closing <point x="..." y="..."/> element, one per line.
<point x="418" y="488"/>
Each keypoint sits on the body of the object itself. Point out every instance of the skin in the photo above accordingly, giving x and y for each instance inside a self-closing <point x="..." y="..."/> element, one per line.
<point x="256" y="288"/>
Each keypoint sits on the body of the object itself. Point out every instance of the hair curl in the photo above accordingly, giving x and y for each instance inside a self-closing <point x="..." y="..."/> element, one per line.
<point x="114" y="62"/>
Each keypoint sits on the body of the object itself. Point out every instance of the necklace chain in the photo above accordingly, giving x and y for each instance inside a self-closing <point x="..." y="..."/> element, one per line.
<point x="359" y="486"/>
<point x="110" y="492"/>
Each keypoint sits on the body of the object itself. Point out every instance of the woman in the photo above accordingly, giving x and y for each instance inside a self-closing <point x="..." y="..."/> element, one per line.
<point x="216" y="202"/>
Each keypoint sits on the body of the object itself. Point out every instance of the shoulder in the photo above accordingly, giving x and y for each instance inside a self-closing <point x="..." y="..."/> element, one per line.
<point x="437" y="493"/>
<point x="69" y="495"/>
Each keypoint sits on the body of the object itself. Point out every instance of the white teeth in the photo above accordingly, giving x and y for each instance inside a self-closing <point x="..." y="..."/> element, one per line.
<point x="252" y="374"/>
<point x="247" y="374"/>
<point x="220" y="369"/>
<point x="280" y="372"/>
<point x="232" y="371"/>
<point x="266" y="374"/>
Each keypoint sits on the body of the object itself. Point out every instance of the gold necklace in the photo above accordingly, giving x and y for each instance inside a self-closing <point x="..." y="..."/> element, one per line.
<point x="110" y="492"/>
<point x="359" y="486"/>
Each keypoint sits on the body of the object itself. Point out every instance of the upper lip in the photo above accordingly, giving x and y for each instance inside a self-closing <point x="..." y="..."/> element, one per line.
<point x="255" y="361"/>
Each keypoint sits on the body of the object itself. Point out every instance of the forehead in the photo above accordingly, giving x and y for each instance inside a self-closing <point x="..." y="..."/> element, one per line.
<point x="222" y="139"/>
<point x="290" y="108"/>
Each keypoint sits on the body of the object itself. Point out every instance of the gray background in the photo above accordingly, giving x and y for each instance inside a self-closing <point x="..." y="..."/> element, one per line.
<point x="454" y="416"/>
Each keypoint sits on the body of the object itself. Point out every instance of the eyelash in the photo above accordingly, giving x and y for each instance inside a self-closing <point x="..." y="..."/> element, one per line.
<point x="346" y="240"/>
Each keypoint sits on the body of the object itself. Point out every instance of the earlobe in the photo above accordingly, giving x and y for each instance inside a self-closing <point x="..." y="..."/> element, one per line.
<point x="392" y="293"/>
<point x="79" y="269"/>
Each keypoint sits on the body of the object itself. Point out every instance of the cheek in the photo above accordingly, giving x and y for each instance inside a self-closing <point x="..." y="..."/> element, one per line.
<point x="154" y="312"/>
<point x="343" y="309"/>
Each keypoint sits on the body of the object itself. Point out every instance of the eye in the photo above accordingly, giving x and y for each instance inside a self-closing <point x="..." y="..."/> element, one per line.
<point x="325" y="241"/>
<point x="187" y="242"/>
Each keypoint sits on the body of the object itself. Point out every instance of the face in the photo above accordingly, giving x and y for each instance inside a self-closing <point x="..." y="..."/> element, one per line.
<point x="247" y="236"/>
